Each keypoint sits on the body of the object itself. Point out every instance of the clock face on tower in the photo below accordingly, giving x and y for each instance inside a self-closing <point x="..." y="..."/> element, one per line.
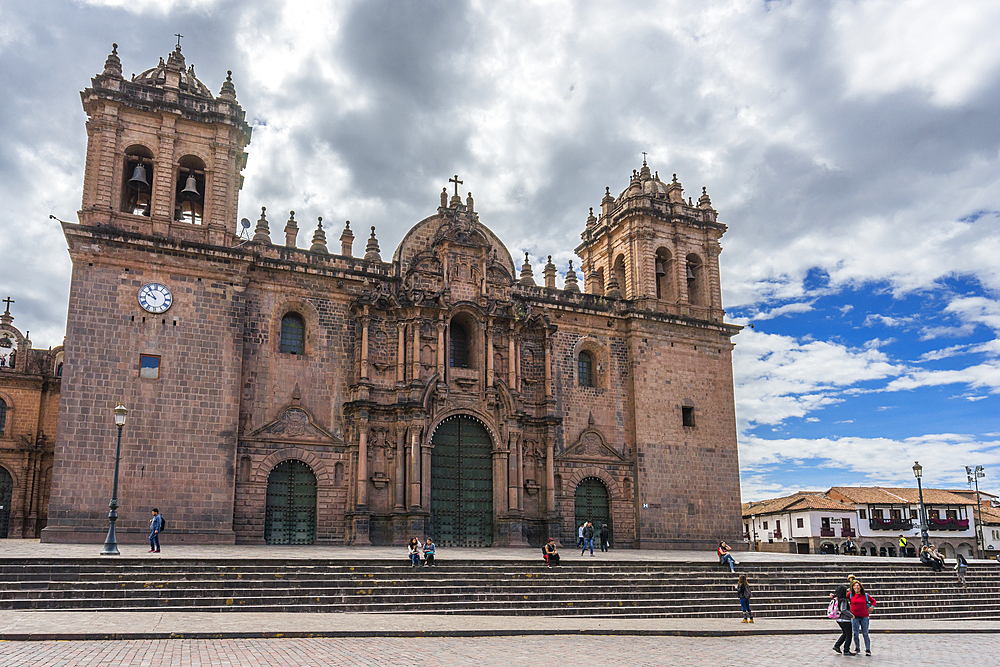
<point x="155" y="298"/>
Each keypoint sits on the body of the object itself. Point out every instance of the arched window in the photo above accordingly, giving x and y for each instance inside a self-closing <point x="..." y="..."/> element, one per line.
<point x="293" y="334"/>
<point x="663" y="273"/>
<point x="459" y="345"/>
<point x="3" y="415"/>
<point x="189" y="198"/>
<point x="585" y="369"/>
<point x="620" y="273"/>
<point x="137" y="185"/>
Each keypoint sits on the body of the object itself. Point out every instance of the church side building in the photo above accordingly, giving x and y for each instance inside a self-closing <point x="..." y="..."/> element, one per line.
<point x="29" y="404"/>
<point x="294" y="395"/>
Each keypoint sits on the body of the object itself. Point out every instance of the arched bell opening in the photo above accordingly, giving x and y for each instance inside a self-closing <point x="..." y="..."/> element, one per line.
<point x="137" y="181"/>
<point x="189" y="200"/>
<point x="663" y="273"/>
<point x="620" y="274"/>
<point x="695" y="272"/>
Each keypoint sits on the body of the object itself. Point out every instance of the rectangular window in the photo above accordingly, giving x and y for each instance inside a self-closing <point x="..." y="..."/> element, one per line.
<point x="799" y="523"/>
<point x="765" y="525"/>
<point x="913" y="514"/>
<point x="896" y="514"/>
<point x="863" y="514"/>
<point x="952" y="514"/>
<point x="876" y="514"/>
<point x="824" y="522"/>
<point x="846" y="524"/>
<point x="149" y="366"/>
<point x="687" y="414"/>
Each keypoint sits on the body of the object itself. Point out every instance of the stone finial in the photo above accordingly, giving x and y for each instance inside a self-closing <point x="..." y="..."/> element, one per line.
<point x="347" y="241"/>
<point x="675" y="192"/>
<point x="572" y="283"/>
<point x="296" y="395"/>
<point x="704" y="201"/>
<point x="550" y="274"/>
<point x="607" y="203"/>
<point x="371" y="250"/>
<point x="591" y="220"/>
<point x="228" y="91"/>
<point x="113" y="65"/>
<point x="527" y="277"/>
<point x="470" y="203"/>
<point x="444" y="197"/>
<point x="319" y="239"/>
<point x="262" y="233"/>
<point x="291" y="230"/>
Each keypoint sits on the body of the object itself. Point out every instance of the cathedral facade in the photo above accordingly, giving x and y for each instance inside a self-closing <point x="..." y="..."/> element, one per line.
<point x="288" y="392"/>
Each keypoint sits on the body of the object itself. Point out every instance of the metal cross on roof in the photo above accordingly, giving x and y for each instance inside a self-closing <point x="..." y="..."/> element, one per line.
<point x="178" y="36"/>
<point x="8" y="301"/>
<point x="456" y="182"/>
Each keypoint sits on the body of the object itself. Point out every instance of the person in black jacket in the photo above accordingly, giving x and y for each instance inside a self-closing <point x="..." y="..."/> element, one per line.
<point x="844" y="621"/>
<point x="588" y="538"/>
<point x="605" y="537"/>
<point x="743" y="593"/>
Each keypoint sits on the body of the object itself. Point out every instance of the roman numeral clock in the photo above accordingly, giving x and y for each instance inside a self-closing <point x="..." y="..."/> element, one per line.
<point x="155" y="298"/>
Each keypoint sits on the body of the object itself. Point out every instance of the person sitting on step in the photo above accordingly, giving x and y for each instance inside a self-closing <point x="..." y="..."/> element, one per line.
<point x="550" y="554"/>
<point x="429" y="552"/>
<point x="725" y="558"/>
<point x="414" y="547"/>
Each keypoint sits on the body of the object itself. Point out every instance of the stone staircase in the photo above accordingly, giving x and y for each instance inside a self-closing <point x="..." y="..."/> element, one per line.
<point x="619" y="589"/>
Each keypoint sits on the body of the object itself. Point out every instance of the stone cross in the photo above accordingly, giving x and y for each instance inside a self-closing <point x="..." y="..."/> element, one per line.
<point x="178" y="36"/>
<point x="456" y="182"/>
<point x="8" y="301"/>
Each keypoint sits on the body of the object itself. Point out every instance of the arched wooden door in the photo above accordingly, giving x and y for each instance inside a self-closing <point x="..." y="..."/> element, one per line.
<point x="290" y="509"/>
<point x="462" y="484"/>
<point x="6" y="495"/>
<point x="591" y="504"/>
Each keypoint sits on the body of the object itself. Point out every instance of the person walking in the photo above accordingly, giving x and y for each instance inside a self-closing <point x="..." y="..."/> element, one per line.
<point x="429" y="552"/>
<point x="961" y="567"/>
<point x="414" y="552"/>
<point x="844" y="618"/>
<point x="902" y="545"/>
<point x="155" y="526"/>
<point x="588" y="538"/>
<point x="861" y="606"/>
<point x="605" y="537"/>
<point x="744" y="593"/>
<point x="579" y="535"/>
<point x="725" y="558"/>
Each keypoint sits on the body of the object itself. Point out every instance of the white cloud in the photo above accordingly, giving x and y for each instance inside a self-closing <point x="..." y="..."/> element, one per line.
<point x="886" y="320"/>
<point x="981" y="376"/>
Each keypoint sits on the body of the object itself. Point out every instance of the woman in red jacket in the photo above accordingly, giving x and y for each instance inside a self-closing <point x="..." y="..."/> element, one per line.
<point x="861" y="606"/>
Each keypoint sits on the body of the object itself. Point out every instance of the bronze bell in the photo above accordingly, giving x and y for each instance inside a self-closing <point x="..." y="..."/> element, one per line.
<point x="690" y="273"/>
<point x="190" y="190"/>
<point x="660" y="271"/>
<point x="138" y="179"/>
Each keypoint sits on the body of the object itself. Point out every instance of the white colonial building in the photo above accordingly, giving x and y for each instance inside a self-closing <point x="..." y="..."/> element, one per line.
<point x="872" y="517"/>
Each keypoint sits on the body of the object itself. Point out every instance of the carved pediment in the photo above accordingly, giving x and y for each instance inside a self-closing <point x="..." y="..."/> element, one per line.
<point x="590" y="445"/>
<point x="294" y="424"/>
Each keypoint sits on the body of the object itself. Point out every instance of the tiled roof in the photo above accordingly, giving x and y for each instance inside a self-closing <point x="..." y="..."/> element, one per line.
<point x="799" y="501"/>
<point x="991" y="515"/>
<point x="878" y="495"/>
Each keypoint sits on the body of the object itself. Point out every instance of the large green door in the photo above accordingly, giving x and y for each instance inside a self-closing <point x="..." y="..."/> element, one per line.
<point x="591" y="502"/>
<point x="290" y="509"/>
<point x="462" y="484"/>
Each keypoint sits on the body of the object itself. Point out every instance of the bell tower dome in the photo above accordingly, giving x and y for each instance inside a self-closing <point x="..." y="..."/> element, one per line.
<point x="164" y="157"/>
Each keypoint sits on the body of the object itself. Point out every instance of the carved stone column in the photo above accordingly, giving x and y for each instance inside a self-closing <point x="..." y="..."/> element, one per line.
<point x="489" y="352"/>
<point x="400" y="501"/>
<point x="401" y="353"/>
<point x="416" y="351"/>
<point x="363" y="469"/>
<point x="364" y="345"/>
<point x="512" y="459"/>
<point x="550" y="476"/>
<point x="442" y="350"/>
<point x="415" y="500"/>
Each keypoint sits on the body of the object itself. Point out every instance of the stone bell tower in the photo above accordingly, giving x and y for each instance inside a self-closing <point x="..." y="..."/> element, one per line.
<point x="652" y="246"/>
<point x="163" y="155"/>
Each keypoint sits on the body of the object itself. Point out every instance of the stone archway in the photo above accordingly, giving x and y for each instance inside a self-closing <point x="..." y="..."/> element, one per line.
<point x="290" y="508"/>
<point x="462" y="483"/>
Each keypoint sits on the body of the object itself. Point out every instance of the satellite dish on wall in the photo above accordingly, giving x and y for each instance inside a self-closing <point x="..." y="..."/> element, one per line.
<point x="245" y="228"/>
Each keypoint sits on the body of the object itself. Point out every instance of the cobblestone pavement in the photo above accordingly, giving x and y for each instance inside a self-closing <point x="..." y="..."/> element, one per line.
<point x="536" y="651"/>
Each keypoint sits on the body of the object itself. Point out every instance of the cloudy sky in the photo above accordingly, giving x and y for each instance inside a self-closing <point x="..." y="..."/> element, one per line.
<point x="852" y="148"/>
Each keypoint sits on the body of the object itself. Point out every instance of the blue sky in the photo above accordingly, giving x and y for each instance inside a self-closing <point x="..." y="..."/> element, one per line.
<point x="852" y="146"/>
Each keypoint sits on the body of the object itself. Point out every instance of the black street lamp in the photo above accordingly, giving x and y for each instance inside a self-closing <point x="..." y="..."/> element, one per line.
<point x="918" y="471"/>
<point x="110" y="543"/>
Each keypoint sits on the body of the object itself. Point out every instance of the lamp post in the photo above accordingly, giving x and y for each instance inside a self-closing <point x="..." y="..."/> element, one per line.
<point x="918" y="471"/>
<point x="110" y="543"/>
<point x="974" y="474"/>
